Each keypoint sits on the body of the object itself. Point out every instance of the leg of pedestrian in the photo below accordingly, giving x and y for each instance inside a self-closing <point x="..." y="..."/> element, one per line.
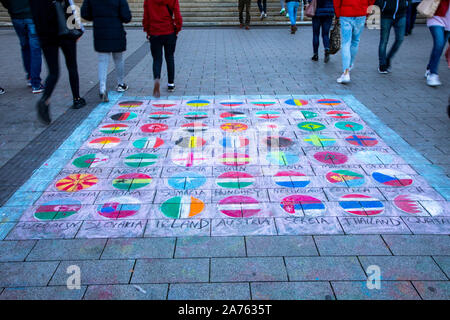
<point x="316" y="36"/>
<point x="103" y="62"/>
<point x="326" y="23"/>
<point x="346" y="35"/>
<point x="157" y="54"/>
<point x="169" y="51"/>
<point x="399" y="27"/>
<point x="385" y="30"/>
<point x="120" y="71"/>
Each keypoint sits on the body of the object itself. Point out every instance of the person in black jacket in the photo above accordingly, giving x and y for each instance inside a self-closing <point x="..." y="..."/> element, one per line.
<point x="323" y="18"/>
<point x="393" y="14"/>
<point x="44" y="16"/>
<point x="109" y="37"/>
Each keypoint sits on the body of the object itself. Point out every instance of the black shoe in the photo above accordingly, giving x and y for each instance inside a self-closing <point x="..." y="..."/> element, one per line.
<point x="171" y="87"/>
<point x="315" y="57"/>
<point x="383" y="70"/>
<point x="2" y="91"/>
<point x="327" y="56"/>
<point x="104" y="97"/>
<point x="78" y="103"/>
<point x="42" y="112"/>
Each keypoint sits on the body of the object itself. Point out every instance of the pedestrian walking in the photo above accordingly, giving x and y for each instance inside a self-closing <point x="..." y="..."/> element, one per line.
<point x="262" y="5"/>
<point x="393" y="15"/>
<point x="322" y="20"/>
<point x="411" y="15"/>
<point x="292" y="8"/>
<point x="162" y="23"/>
<point x="22" y="20"/>
<point x="283" y="8"/>
<point x="352" y="16"/>
<point x="241" y="5"/>
<point x="108" y="17"/>
<point x="45" y="19"/>
<point x="439" y="26"/>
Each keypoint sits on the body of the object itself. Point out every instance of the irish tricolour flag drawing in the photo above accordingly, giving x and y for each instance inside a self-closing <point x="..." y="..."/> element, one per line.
<point x="182" y="207"/>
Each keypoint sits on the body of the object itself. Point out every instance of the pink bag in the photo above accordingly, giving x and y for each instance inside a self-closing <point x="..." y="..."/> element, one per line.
<point x="310" y="10"/>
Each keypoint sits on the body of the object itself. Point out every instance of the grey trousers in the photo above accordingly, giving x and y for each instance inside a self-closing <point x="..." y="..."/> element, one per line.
<point x="103" y="63"/>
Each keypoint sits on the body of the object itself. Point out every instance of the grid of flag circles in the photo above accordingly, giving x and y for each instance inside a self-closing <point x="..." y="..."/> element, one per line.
<point x="232" y="167"/>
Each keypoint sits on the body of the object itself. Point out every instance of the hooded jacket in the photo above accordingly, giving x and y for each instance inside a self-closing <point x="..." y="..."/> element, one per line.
<point x="162" y="17"/>
<point x="18" y="9"/>
<point x="351" y="8"/>
<point x="392" y="8"/>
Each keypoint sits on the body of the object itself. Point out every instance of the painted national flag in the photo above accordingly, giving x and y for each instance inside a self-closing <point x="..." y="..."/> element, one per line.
<point x="186" y="180"/>
<point x="349" y="126"/>
<point x="130" y="104"/>
<point x="57" y="209"/>
<point x="235" y="142"/>
<point x="291" y="179"/>
<point x="198" y="103"/>
<point x="275" y="142"/>
<point x="235" y="159"/>
<point x="304" y="114"/>
<point x="131" y="181"/>
<point x="189" y="159"/>
<point x="269" y="114"/>
<point x="263" y="103"/>
<point x="361" y="205"/>
<point x="190" y="142"/>
<point x="117" y="208"/>
<point x="409" y="205"/>
<point x="148" y="143"/>
<point x="311" y="126"/>
<point x="345" y="178"/>
<point x="392" y="178"/>
<point x="269" y="127"/>
<point x="140" y="160"/>
<point x="231" y="103"/>
<point x="362" y="141"/>
<point x="337" y="114"/>
<point x="282" y="158"/>
<point x="91" y="160"/>
<point x="233" y="115"/>
<point x="194" y="127"/>
<point x="329" y="102"/>
<point x="76" y="182"/>
<point x="239" y="206"/>
<point x="154" y="127"/>
<point x="196" y="115"/>
<point x="104" y="142"/>
<point x="163" y="103"/>
<point x="320" y="140"/>
<point x="296" y="102"/>
<point x="299" y="205"/>
<point x="234" y="127"/>
<point x="329" y="157"/>
<point x="160" y="115"/>
<point x="235" y="180"/>
<point x="182" y="207"/>
<point x="124" y="116"/>
<point x="114" y="128"/>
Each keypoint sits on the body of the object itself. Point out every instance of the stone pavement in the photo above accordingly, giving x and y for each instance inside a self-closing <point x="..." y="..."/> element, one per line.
<point x="234" y="62"/>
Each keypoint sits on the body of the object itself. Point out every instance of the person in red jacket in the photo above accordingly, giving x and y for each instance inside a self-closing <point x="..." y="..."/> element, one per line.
<point x="162" y="22"/>
<point x="352" y="15"/>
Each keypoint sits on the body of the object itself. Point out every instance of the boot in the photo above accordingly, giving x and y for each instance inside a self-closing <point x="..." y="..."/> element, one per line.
<point x="293" y="29"/>
<point x="327" y="56"/>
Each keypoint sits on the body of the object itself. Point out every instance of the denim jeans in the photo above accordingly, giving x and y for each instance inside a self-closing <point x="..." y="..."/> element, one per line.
<point x="292" y="8"/>
<point x="262" y="5"/>
<point x="323" y="23"/>
<point x="411" y="16"/>
<point x="247" y="5"/>
<point x="440" y="38"/>
<point x="351" y="29"/>
<point x="157" y="44"/>
<point x="399" y="25"/>
<point x="282" y="4"/>
<point x="103" y="62"/>
<point x="31" y="49"/>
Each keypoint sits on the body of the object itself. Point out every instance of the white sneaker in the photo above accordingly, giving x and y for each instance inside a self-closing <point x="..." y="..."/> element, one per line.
<point x="287" y="15"/>
<point x="427" y="73"/>
<point x="262" y="15"/>
<point x="344" y="78"/>
<point x="433" y="80"/>
<point x="265" y="15"/>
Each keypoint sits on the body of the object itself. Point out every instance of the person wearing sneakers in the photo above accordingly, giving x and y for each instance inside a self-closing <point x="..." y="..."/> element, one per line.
<point x="162" y="22"/>
<point x="247" y="5"/>
<point x="292" y="8"/>
<point x="352" y="16"/>
<point x="108" y="17"/>
<point x="322" y="19"/>
<point x="439" y="26"/>
<point x="262" y="5"/>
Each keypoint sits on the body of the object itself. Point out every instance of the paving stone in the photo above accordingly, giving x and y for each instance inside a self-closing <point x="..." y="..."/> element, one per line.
<point x="319" y="290"/>
<point x="433" y="290"/>
<point x="139" y="248"/>
<point x="70" y="249"/>
<point x="418" y="244"/>
<point x="42" y="293"/>
<point x="266" y="246"/>
<point x="405" y="267"/>
<point x="324" y="268"/>
<point x="171" y="271"/>
<point x="444" y="263"/>
<point x="15" y="250"/>
<point x="127" y="292"/>
<point x="96" y="271"/>
<point x="209" y="291"/>
<point x="351" y="245"/>
<point x="26" y="274"/>
<point x="189" y="247"/>
<point x="390" y="290"/>
<point x="247" y="269"/>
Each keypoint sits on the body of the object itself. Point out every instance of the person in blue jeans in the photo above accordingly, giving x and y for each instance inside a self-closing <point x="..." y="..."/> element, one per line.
<point x="411" y="15"/>
<point x="393" y="14"/>
<point x="322" y="19"/>
<point x="22" y="19"/>
<point x="292" y="8"/>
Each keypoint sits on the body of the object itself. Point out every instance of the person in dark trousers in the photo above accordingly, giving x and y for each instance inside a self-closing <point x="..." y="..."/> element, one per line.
<point x="162" y="23"/>
<point x="22" y="20"/>
<point x="262" y="6"/>
<point x="44" y="16"/>
<point x="241" y="5"/>
<point x="109" y="37"/>
<point x="322" y="19"/>
<point x="393" y="14"/>
<point x="411" y="15"/>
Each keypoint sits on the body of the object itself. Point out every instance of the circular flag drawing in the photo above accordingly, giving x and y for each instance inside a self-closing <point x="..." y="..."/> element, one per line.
<point x="263" y="103"/>
<point x="118" y="208"/>
<point x="130" y="104"/>
<point x="282" y="158"/>
<point x="329" y="157"/>
<point x="320" y="140"/>
<point x="304" y="114"/>
<point x="57" y="209"/>
<point x="114" y="128"/>
<point x="182" y="207"/>
<point x="329" y="102"/>
<point x="361" y="205"/>
<point x="233" y="115"/>
<point x="163" y="103"/>
<point x="349" y="126"/>
<point x="311" y="126"/>
<point x="148" y="143"/>
<point x="235" y="159"/>
<point x="198" y="103"/>
<point x="269" y="127"/>
<point x="278" y="142"/>
<point x="131" y="181"/>
<point x="235" y="180"/>
<point x="194" y="127"/>
<point x="235" y="142"/>
<point x="345" y="178"/>
<point x="392" y="178"/>
<point x="160" y="115"/>
<point x="231" y="103"/>
<point x="190" y="142"/>
<point x="336" y="114"/>
<point x="186" y="180"/>
<point x="195" y="115"/>
<point x="296" y="102"/>
<point x="373" y="157"/>
<point x="239" y="206"/>
<point x="104" y="142"/>
<point x="363" y="141"/>
<point x="189" y="159"/>
<point x="298" y="205"/>
<point x="140" y="160"/>
<point x="410" y="204"/>
<point x="91" y="160"/>
<point x="268" y="114"/>
<point x="76" y="182"/>
<point x="154" y="127"/>
<point x="234" y="127"/>
<point x="124" y="116"/>
<point x="291" y="179"/>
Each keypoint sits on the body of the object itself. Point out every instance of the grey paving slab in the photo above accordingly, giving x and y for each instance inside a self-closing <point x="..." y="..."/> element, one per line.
<point x="43" y="293"/>
<point x="284" y="246"/>
<point x="189" y="247"/>
<point x="418" y="244"/>
<point x="170" y="271"/>
<point x="209" y="291"/>
<point x="15" y="250"/>
<point x="389" y="290"/>
<point x="324" y="268"/>
<point x="73" y="249"/>
<point x="444" y="263"/>
<point x="127" y="292"/>
<point x="26" y="274"/>
<point x="319" y="290"/>
<point x="247" y="269"/>
<point x="404" y="267"/>
<point x="139" y="248"/>
<point x="433" y="290"/>
<point x="351" y="245"/>
<point x="96" y="271"/>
